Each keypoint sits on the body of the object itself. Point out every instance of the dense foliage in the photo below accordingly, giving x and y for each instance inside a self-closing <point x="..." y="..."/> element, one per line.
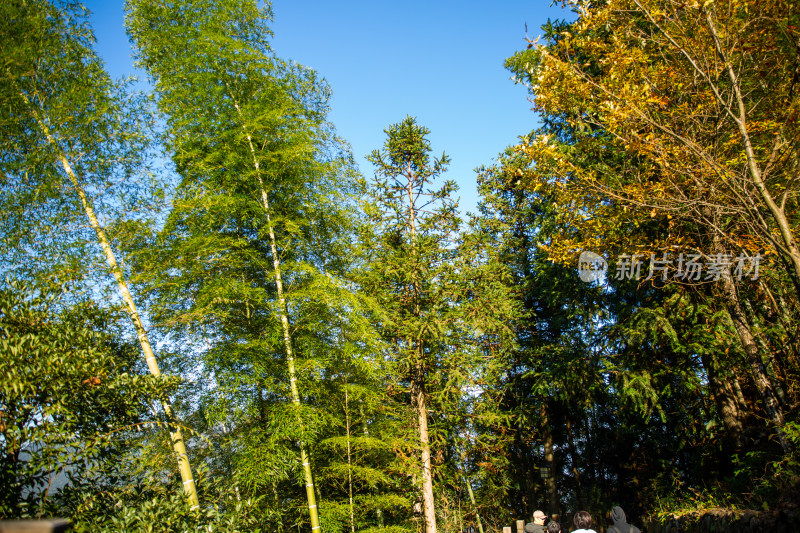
<point x="345" y="352"/>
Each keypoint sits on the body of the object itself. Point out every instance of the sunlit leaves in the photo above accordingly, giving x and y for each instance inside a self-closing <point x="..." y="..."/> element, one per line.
<point x="644" y="85"/>
<point x="69" y="393"/>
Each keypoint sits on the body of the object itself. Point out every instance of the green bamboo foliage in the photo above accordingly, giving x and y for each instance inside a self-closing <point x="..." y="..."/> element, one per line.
<point x="62" y="104"/>
<point x="251" y="248"/>
<point x="365" y="470"/>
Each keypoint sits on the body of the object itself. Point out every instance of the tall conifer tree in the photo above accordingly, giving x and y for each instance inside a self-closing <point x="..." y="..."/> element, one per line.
<point x="436" y="291"/>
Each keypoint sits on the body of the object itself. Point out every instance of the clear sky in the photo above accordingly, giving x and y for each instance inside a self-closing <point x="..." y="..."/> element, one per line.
<point x="440" y="61"/>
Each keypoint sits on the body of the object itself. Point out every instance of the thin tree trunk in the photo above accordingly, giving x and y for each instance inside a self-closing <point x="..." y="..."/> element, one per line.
<point x="769" y="361"/>
<point x="287" y="337"/>
<point x="574" y="455"/>
<point x="287" y="342"/>
<point x="228" y="462"/>
<point x="378" y="511"/>
<point x="349" y="458"/>
<point x="753" y="357"/>
<point x="418" y="384"/>
<point x="468" y="483"/>
<point x="549" y="459"/>
<point x="418" y="392"/>
<point x="524" y="469"/>
<point x="780" y="313"/>
<point x="9" y="468"/>
<point x="176" y="435"/>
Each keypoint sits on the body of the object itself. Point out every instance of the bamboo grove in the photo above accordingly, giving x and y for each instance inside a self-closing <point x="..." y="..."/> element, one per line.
<point x="211" y="319"/>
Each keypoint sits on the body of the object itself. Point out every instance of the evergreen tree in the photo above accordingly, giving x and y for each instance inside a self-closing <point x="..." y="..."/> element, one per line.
<point x="364" y="463"/>
<point x="437" y="297"/>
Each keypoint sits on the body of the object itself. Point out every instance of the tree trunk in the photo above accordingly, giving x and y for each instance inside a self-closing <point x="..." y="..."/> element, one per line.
<point x="287" y="337"/>
<point x="549" y="459"/>
<point x="757" y="369"/>
<point x="287" y="343"/>
<point x="176" y="435"/>
<point x="574" y="455"/>
<point x="418" y="392"/>
<point x="378" y="511"/>
<point x="418" y="381"/>
<point x="469" y="488"/>
<point x="770" y="362"/>
<point x="349" y="458"/>
<point x="780" y="314"/>
<point x="726" y="400"/>
<point x="521" y="470"/>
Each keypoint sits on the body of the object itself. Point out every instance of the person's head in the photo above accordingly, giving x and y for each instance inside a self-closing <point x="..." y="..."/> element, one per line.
<point x="539" y="517"/>
<point x="582" y="520"/>
<point x="553" y="527"/>
<point x="618" y="515"/>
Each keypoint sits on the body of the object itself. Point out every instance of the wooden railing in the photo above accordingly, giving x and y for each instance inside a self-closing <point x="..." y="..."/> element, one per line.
<point x="520" y="527"/>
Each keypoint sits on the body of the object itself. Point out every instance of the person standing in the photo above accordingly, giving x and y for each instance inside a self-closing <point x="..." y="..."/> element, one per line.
<point x="553" y="527"/>
<point x="583" y="521"/>
<point x="620" y="524"/>
<point x="537" y="526"/>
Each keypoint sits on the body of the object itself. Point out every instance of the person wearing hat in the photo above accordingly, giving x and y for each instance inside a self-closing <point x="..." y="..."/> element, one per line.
<point x="537" y="526"/>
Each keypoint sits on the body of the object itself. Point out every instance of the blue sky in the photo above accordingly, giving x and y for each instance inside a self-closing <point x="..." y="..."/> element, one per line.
<point x="439" y="61"/>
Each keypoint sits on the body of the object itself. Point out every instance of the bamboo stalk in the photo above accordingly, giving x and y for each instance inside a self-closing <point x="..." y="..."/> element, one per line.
<point x="349" y="458"/>
<point x="176" y="435"/>
<point x="287" y="342"/>
<point x="469" y="491"/>
<point x="287" y="338"/>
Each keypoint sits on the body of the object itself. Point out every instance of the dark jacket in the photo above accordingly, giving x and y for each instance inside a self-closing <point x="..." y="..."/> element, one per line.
<point x="535" y="528"/>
